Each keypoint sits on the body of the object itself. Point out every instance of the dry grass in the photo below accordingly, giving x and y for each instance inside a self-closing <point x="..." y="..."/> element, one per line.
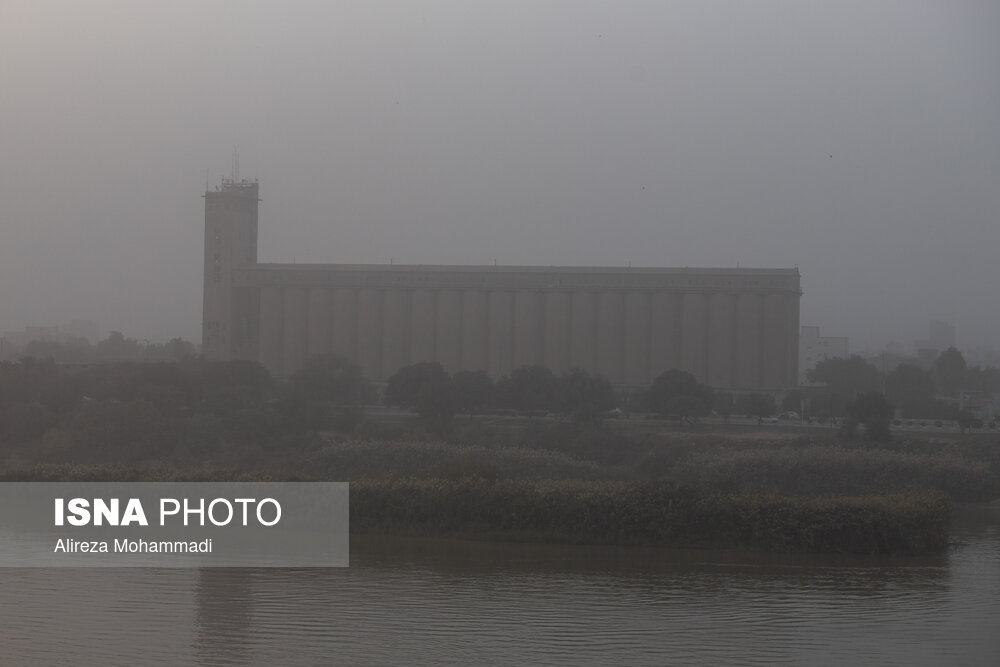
<point x="654" y="514"/>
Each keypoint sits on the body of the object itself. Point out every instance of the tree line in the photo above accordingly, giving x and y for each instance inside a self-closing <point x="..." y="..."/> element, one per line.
<point x="575" y="395"/>
<point x="196" y="409"/>
<point x="115" y="348"/>
<point x="858" y="389"/>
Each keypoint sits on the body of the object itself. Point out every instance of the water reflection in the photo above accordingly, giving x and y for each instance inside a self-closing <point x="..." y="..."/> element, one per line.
<point x="224" y="599"/>
<point x="656" y="571"/>
<point x="88" y="616"/>
<point x="456" y="602"/>
<point x="449" y="602"/>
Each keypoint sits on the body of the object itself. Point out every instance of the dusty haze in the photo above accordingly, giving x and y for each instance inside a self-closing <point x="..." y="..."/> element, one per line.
<point x="857" y="140"/>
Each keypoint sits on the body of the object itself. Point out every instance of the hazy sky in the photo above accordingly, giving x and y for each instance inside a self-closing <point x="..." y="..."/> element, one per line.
<point x="859" y="141"/>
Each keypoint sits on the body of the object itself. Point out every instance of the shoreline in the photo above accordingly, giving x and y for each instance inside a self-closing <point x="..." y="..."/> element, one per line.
<point x="606" y="512"/>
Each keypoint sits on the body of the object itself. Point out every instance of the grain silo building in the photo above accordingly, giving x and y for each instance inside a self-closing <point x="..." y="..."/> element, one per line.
<point x="731" y="328"/>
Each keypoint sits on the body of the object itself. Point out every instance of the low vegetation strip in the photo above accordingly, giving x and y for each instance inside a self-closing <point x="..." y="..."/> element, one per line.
<point x="356" y="459"/>
<point x="828" y="470"/>
<point x="615" y="512"/>
<point x="601" y="511"/>
<point x="71" y="472"/>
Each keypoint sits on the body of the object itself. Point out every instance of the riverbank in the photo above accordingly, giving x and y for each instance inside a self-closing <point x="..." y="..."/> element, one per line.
<point x="599" y="511"/>
<point x="653" y="514"/>
<point x="709" y="486"/>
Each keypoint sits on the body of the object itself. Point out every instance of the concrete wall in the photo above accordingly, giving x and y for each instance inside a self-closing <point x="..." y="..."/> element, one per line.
<point x="475" y="327"/>
<point x="749" y="341"/>
<point x="271" y="331"/>
<point x="727" y="339"/>
<point x="500" y="333"/>
<point x="558" y="334"/>
<point x="583" y="323"/>
<point x="295" y="329"/>
<point x="396" y="315"/>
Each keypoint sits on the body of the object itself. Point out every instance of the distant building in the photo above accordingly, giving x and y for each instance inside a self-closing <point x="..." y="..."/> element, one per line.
<point x="895" y="349"/>
<point x="926" y="356"/>
<point x="814" y="348"/>
<point x="982" y="356"/>
<point x="730" y="328"/>
<point x="15" y="341"/>
<point x="942" y="336"/>
<point x="88" y="330"/>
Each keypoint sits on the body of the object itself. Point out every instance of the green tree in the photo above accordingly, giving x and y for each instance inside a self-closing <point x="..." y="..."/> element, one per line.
<point x="724" y="404"/>
<point x="21" y="423"/>
<point x="78" y="349"/>
<point x="402" y="388"/>
<point x="426" y="388"/>
<point x="474" y="390"/>
<point x="120" y="432"/>
<point x="44" y="349"/>
<point x="583" y="397"/>
<point x="966" y="420"/>
<point x="217" y="375"/>
<point x="949" y="371"/>
<point x="179" y="349"/>
<point x="874" y="411"/>
<point x="331" y="378"/>
<point x="846" y="377"/>
<point x="677" y="393"/>
<point x="983" y="379"/>
<point x="233" y="391"/>
<point x="756" y="405"/>
<point x="844" y="380"/>
<point x="116" y="347"/>
<point x="792" y="401"/>
<point x="436" y="402"/>
<point x="325" y="395"/>
<point x="529" y="389"/>
<point x="30" y="380"/>
<point x="200" y="436"/>
<point x="911" y="388"/>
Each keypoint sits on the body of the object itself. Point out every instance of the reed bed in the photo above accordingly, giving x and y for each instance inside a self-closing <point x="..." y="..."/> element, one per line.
<point x="350" y="459"/>
<point x="831" y="470"/>
<point x="776" y="496"/>
<point x="618" y="512"/>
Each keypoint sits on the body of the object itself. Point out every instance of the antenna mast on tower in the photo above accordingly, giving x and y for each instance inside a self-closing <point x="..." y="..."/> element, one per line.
<point x="236" y="165"/>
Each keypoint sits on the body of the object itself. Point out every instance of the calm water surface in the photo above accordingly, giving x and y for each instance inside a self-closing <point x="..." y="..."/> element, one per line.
<point x="443" y="602"/>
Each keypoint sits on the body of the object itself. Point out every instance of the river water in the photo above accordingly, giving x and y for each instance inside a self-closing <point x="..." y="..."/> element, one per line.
<point x="407" y="601"/>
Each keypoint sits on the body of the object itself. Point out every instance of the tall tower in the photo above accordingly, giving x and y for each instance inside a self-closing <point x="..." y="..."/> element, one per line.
<point x="230" y="242"/>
